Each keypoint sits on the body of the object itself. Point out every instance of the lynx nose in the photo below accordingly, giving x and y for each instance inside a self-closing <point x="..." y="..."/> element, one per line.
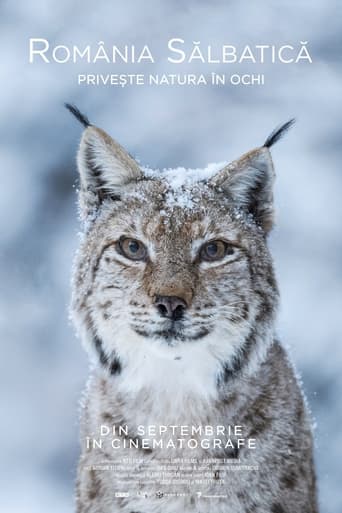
<point x="172" y="307"/>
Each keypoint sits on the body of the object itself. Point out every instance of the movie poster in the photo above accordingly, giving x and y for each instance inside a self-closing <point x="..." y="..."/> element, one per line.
<point x="171" y="280"/>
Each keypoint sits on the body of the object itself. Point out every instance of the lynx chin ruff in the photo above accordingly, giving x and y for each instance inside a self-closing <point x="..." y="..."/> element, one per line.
<point x="174" y="298"/>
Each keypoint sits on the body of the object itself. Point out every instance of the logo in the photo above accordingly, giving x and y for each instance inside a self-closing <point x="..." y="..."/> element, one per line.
<point x="121" y="494"/>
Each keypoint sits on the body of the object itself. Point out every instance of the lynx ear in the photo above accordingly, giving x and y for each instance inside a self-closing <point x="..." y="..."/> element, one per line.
<point x="249" y="180"/>
<point x="104" y="166"/>
<point x="249" y="184"/>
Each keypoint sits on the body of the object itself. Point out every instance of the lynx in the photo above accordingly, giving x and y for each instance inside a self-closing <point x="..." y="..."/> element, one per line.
<point x="174" y="298"/>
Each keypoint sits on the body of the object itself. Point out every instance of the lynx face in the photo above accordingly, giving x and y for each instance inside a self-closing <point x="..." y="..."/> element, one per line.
<point x="174" y="274"/>
<point x="170" y="263"/>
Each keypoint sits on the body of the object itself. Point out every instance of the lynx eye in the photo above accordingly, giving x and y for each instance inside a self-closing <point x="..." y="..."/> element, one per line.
<point x="215" y="250"/>
<point x="132" y="248"/>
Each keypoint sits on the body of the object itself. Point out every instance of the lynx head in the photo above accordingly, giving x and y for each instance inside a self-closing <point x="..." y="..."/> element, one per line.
<point x="173" y="260"/>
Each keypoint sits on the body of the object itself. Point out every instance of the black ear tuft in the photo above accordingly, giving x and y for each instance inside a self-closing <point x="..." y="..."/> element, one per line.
<point x="78" y="115"/>
<point x="278" y="133"/>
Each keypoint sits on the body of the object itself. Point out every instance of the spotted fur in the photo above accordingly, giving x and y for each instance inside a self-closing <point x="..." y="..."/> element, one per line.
<point x="220" y="364"/>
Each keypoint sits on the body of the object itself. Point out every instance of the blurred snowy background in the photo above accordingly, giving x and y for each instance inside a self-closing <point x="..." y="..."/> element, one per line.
<point x="43" y="368"/>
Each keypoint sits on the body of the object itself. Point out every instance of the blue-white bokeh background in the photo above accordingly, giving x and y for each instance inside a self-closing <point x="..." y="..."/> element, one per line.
<point x="43" y="368"/>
